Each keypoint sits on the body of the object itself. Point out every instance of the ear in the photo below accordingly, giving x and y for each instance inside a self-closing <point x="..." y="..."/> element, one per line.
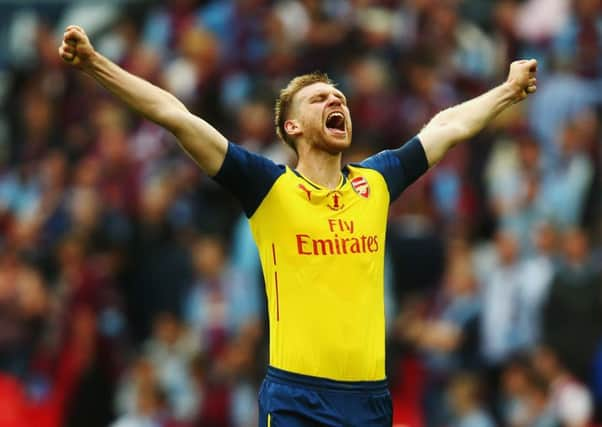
<point x="292" y="128"/>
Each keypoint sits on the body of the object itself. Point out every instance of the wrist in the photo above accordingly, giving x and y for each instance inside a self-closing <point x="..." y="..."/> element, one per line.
<point x="513" y="90"/>
<point x="91" y="64"/>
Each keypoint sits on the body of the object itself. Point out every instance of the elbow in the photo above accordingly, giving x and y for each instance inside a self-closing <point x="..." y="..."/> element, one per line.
<point x="453" y="126"/>
<point x="458" y="133"/>
<point x="451" y="132"/>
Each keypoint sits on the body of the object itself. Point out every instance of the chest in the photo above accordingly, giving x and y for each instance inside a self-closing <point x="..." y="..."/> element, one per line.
<point x="358" y="205"/>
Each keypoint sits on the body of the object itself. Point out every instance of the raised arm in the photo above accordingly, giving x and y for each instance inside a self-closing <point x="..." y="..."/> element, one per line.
<point x="199" y="139"/>
<point x="463" y="121"/>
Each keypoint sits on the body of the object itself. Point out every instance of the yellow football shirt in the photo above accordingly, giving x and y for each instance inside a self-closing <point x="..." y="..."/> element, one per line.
<point x="322" y="253"/>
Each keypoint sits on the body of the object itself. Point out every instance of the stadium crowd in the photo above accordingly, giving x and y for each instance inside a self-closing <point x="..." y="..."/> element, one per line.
<point x="130" y="289"/>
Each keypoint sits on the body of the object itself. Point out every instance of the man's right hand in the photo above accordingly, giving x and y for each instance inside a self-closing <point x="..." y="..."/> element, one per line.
<point x="76" y="48"/>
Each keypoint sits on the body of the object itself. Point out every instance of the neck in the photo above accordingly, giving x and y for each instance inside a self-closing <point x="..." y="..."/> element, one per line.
<point x="321" y="167"/>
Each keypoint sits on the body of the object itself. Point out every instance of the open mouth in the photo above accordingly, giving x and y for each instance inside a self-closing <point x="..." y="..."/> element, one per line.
<point x="335" y="122"/>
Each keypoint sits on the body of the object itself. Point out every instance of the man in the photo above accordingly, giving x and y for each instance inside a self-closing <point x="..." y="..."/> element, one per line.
<point x="320" y="229"/>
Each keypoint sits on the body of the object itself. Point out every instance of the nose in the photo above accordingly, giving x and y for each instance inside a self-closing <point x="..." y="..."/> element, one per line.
<point x="333" y="101"/>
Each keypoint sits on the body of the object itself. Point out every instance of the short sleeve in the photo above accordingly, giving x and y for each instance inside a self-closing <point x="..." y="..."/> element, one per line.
<point x="248" y="176"/>
<point x="400" y="167"/>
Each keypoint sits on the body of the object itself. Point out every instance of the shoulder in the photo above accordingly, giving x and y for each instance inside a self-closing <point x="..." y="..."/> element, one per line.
<point x="248" y="176"/>
<point x="239" y="157"/>
<point x="411" y="152"/>
<point x="399" y="167"/>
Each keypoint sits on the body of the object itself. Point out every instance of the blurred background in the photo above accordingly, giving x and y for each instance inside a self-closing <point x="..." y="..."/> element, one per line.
<point x="130" y="288"/>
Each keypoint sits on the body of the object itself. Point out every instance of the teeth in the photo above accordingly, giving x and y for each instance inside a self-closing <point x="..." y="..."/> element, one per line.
<point x="335" y="114"/>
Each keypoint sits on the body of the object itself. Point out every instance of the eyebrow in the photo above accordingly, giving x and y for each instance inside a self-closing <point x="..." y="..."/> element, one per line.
<point x="324" y="93"/>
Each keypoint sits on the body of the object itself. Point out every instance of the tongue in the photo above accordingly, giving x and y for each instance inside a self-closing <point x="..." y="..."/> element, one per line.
<point x="336" y="131"/>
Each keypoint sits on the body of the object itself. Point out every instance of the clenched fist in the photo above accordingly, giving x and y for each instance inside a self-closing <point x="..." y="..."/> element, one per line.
<point x="522" y="77"/>
<point x="76" y="48"/>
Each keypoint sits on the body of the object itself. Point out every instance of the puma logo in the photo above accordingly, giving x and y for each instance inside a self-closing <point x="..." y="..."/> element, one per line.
<point x="302" y="187"/>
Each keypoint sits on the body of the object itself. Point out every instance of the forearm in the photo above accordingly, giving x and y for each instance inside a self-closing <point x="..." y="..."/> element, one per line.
<point x="198" y="138"/>
<point x="468" y="118"/>
<point x="201" y="141"/>
<point x="463" y="121"/>
<point x="150" y="101"/>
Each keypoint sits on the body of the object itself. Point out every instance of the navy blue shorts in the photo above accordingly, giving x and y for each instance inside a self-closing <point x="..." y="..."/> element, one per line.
<point x="292" y="400"/>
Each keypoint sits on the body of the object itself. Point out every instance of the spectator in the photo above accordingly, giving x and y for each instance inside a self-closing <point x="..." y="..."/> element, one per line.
<point x="537" y="273"/>
<point x="23" y="302"/>
<point x="501" y="306"/>
<point x="222" y="309"/>
<point x="466" y="401"/>
<point x="526" y="396"/>
<point x="219" y="303"/>
<point x="170" y="351"/>
<point x="159" y="266"/>
<point x="448" y="335"/>
<point x="515" y="172"/>
<point x="571" y="402"/>
<point x="151" y="410"/>
<point x="539" y="409"/>
<point x="515" y="384"/>
<point x="566" y="186"/>
<point x="579" y="38"/>
<point x="572" y="324"/>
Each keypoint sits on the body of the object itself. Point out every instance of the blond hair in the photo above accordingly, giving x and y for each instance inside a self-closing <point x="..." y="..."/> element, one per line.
<point x="284" y="101"/>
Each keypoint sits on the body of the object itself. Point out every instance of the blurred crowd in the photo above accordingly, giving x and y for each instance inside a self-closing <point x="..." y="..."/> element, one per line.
<point x="130" y="289"/>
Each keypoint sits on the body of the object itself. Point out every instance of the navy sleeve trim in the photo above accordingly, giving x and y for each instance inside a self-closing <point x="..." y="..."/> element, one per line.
<point x="248" y="176"/>
<point x="399" y="167"/>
